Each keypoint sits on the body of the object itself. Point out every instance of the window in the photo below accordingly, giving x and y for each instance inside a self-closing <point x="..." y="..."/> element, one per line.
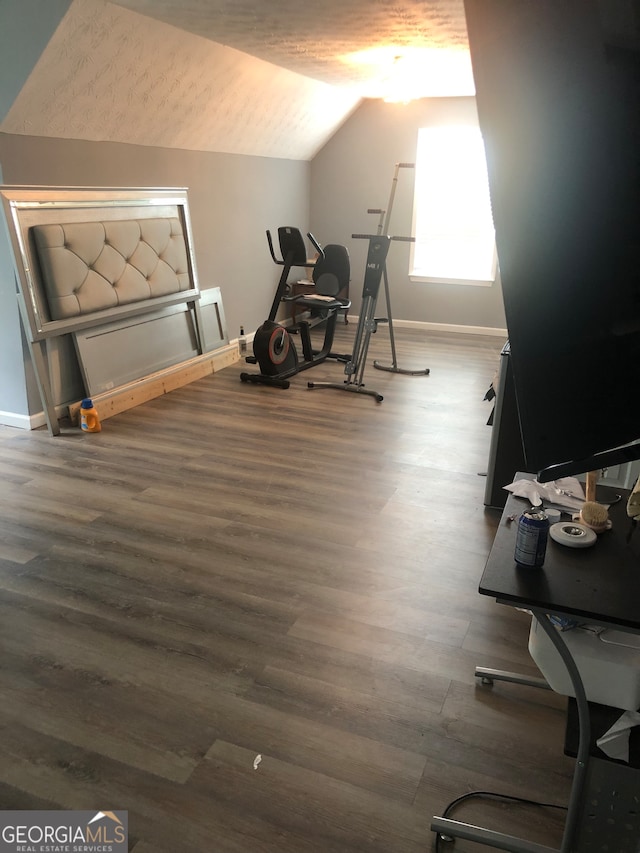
<point x="453" y="226"/>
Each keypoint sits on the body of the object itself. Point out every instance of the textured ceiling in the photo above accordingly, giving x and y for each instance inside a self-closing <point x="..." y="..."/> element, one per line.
<point x="314" y="37"/>
<point x="252" y="77"/>
<point x="109" y="74"/>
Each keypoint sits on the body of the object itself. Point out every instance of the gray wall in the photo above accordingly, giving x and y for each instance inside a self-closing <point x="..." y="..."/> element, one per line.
<point x="23" y="35"/>
<point x="13" y="394"/>
<point x="354" y="172"/>
<point x="233" y="200"/>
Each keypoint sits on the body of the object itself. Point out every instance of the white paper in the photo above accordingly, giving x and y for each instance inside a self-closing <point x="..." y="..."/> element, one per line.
<point x="615" y="741"/>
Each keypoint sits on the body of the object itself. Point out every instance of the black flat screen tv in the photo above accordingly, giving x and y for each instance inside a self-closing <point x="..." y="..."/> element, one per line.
<point x="558" y="97"/>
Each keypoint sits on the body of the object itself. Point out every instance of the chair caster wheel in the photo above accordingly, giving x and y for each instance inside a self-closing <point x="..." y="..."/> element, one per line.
<point x="486" y="680"/>
<point x="445" y="837"/>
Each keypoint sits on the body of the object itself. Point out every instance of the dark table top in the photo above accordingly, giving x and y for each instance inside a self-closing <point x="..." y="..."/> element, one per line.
<point x="600" y="585"/>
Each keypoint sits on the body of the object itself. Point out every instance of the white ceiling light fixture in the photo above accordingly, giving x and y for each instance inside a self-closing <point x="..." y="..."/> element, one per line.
<point x="401" y="75"/>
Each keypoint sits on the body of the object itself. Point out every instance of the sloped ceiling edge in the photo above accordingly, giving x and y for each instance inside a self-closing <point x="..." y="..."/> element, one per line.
<point x="109" y="74"/>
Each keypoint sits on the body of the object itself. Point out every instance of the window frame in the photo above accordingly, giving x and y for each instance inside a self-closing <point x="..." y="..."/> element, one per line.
<point x="422" y="275"/>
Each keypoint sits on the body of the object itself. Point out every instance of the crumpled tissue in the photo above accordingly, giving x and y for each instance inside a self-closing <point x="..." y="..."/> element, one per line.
<point x="615" y="741"/>
<point x="566" y="493"/>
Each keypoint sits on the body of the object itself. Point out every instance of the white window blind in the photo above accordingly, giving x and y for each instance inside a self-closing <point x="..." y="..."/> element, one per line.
<point x="453" y="226"/>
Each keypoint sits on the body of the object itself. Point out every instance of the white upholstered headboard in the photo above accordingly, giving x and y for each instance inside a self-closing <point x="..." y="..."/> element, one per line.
<point x="94" y="266"/>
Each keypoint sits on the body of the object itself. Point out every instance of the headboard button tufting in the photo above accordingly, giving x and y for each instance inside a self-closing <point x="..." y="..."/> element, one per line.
<point x="130" y="271"/>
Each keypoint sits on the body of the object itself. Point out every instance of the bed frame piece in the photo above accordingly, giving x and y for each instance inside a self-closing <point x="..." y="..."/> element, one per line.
<point x="113" y="270"/>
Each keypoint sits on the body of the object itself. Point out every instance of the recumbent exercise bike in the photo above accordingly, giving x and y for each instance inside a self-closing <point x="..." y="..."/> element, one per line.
<point x="274" y="349"/>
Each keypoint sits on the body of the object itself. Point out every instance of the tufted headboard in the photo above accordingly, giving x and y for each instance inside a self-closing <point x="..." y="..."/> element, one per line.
<point x="107" y="288"/>
<point x="94" y="266"/>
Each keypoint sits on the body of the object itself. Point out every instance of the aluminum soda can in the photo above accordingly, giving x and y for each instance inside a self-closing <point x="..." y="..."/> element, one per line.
<point x="531" y="538"/>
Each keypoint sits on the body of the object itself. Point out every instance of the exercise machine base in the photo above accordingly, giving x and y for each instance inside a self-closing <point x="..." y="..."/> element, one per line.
<point x="392" y="368"/>
<point x="355" y="389"/>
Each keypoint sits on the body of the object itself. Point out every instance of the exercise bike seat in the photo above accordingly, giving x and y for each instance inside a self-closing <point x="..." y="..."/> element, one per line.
<point x="331" y="276"/>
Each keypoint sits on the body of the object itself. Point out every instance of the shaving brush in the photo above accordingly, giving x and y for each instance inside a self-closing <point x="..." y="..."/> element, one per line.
<point x="595" y="516"/>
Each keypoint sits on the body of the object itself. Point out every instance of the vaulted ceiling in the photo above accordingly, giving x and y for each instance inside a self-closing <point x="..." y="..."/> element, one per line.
<point x="272" y="78"/>
<point x="330" y="40"/>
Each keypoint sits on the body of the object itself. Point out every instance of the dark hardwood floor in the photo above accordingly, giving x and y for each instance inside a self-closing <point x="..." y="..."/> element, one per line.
<point x="232" y="571"/>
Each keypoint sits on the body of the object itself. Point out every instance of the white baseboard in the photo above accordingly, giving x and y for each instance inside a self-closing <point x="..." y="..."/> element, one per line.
<point x="12" y="419"/>
<point x="444" y="327"/>
<point x="419" y="324"/>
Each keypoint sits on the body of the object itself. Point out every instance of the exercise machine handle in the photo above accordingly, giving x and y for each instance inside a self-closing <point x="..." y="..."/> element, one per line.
<point x="273" y="254"/>
<point x="317" y="245"/>
<point x="281" y="263"/>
